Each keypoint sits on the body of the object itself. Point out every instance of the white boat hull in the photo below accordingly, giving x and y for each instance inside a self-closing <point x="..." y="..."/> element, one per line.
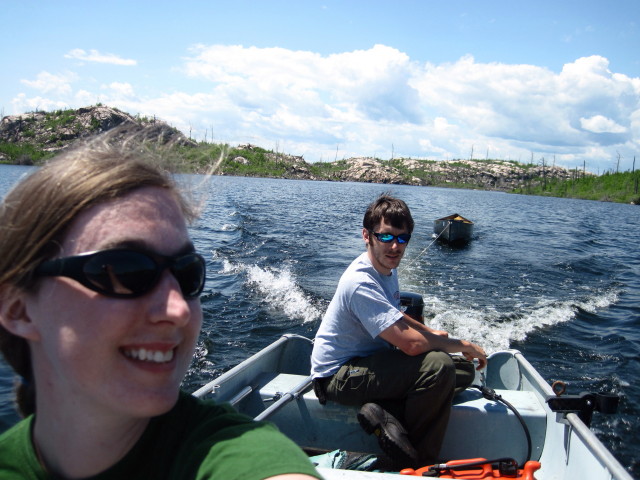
<point x="274" y="384"/>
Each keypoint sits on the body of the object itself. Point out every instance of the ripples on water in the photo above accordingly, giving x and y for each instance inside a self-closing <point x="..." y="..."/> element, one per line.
<point x="556" y="279"/>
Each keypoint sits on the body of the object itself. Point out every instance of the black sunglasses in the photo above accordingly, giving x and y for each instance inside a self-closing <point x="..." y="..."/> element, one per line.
<point x="388" y="238"/>
<point x="126" y="273"/>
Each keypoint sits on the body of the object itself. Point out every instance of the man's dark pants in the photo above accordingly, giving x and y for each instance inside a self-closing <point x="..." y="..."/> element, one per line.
<point x="417" y="390"/>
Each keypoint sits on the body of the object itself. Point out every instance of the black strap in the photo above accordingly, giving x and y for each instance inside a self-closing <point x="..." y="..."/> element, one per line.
<point x="319" y="389"/>
<point x="490" y="394"/>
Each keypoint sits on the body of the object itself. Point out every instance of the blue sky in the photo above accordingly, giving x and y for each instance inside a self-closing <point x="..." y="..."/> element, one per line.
<point x="512" y="80"/>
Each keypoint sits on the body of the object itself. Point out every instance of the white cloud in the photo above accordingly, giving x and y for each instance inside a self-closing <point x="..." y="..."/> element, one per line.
<point x="370" y="102"/>
<point x="97" y="57"/>
<point x="370" y="99"/>
<point x="50" y="83"/>
<point x="120" y="89"/>
<point x="85" y="97"/>
<point x="529" y="104"/>
<point x="22" y="103"/>
<point x="374" y="81"/>
<point x="601" y="124"/>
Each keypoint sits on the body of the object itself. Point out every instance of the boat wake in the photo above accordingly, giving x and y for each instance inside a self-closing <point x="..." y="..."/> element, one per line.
<point x="278" y="288"/>
<point x="496" y="330"/>
<point x="495" y="327"/>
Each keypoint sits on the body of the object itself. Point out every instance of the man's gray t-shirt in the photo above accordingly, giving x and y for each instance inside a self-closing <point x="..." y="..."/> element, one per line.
<point x="365" y="304"/>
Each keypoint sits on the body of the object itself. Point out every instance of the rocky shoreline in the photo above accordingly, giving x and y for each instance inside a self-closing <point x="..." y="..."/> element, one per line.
<point x="481" y="174"/>
<point x="49" y="132"/>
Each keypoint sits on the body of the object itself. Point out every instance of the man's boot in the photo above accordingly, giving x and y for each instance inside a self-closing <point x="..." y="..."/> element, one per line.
<point x="392" y="436"/>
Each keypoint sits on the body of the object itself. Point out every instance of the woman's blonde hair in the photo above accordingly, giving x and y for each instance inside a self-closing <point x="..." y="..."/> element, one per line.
<point x="36" y="213"/>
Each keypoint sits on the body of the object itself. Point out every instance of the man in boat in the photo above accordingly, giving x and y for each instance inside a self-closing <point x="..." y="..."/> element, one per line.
<point x="368" y="353"/>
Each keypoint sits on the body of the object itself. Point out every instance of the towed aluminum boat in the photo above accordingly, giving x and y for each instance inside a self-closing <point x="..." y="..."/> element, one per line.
<point x="453" y="229"/>
<point x="517" y="417"/>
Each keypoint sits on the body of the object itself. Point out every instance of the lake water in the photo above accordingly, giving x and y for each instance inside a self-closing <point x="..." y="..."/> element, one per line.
<point x="557" y="279"/>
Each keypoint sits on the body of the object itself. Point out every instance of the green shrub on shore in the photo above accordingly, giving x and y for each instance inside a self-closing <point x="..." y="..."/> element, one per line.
<point x="610" y="187"/>
<point x="22" y="154"/>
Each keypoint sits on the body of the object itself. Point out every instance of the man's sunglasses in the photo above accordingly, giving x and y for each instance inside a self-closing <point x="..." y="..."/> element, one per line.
<point x="126" y="273"/>
<point x="388" y="238"/>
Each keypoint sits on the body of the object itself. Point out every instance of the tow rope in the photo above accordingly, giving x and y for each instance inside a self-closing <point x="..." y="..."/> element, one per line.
<point x="407" y="265"/>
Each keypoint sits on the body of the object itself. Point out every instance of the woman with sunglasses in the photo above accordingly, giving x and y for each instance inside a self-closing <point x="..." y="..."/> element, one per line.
<point x="369" y="353"/>
<point x="99" y="316"/>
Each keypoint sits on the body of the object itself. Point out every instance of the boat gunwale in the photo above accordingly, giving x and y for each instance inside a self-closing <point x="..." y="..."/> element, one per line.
<point x="238" y="369"/>
<point x="452" y="218"/>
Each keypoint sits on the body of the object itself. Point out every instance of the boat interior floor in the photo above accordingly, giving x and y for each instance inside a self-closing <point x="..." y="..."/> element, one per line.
<point x="497" y="431"/>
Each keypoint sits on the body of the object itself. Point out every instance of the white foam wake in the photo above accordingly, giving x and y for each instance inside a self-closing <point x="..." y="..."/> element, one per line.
<point x="495" y="330"/>
<point x="279" y="289"/>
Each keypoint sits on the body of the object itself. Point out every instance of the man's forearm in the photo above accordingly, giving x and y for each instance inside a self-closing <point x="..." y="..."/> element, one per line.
<point x="421" y="327"/>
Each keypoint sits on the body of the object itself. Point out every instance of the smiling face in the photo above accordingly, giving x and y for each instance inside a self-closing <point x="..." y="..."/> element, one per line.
<point x="110" y="355"/>
<point x="384" y="256"/>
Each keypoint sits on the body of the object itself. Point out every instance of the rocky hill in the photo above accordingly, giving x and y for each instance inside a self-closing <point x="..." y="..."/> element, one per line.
<point x="50" y="132"/>
<point x="30" y="137"/>
<point x="490" y="174"/>
<point x="486" y="175"/>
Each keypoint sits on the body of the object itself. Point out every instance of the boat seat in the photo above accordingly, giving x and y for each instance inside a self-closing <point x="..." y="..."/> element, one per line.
<point x="477" y="426"/>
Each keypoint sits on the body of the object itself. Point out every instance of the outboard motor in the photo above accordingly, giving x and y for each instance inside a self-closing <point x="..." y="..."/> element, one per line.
<point x="413" y="305"/>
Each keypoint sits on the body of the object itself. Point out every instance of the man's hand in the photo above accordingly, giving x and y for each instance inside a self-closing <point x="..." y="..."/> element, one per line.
<point x="472" y="351"/>
<point x="414" y="338"/>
